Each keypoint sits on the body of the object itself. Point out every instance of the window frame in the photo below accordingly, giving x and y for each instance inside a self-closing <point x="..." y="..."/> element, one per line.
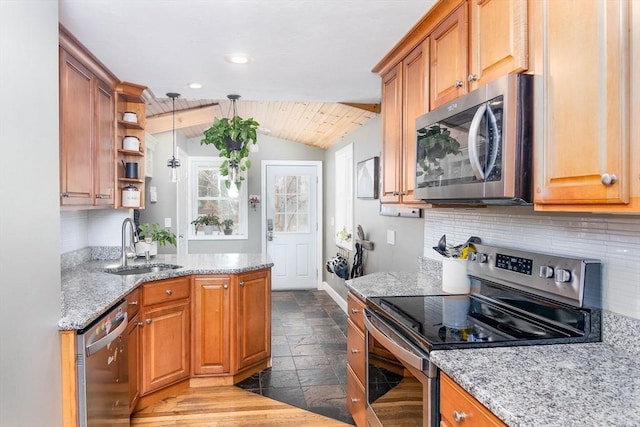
<point x="195" y="163"/>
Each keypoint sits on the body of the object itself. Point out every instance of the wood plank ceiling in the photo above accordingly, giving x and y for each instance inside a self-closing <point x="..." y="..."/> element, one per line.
<point x="318" y="124"/>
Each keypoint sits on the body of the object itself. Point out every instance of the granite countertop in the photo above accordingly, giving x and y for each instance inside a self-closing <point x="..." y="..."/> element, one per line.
<point x="88" y="292"/>
<point x="591" y="384"/>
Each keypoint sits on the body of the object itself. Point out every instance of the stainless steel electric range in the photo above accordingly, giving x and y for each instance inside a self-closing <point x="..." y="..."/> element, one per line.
<point x="517" y="298"/>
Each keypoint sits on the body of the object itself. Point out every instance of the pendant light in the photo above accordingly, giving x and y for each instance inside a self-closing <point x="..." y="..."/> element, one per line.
<point x="173" y="162"/>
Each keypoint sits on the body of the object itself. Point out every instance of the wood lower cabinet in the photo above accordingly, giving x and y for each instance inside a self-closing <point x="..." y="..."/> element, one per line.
<point x="587" y="141"/>
<point x="211" y="325"/>
<point x="253" y="318"/>
<point x="132" y="336"/>
<point x="356" y="364"/>
<point x="459" y="408"/>
<point x="166" y="340"/>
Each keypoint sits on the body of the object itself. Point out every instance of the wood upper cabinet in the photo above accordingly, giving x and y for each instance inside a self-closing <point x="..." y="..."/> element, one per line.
<point x="448" y="52"/>
<point x="165" y="333"/>
<point x="211" y="325"/>
<point x="586" y="155"/>
<point x="498" y="40"/>
<point x="457" y="407"/>
<point x="403" y="100"/>
<point x="253" y="317"/>
<point x="77" y="131"/>
<point x="104" y="152"/>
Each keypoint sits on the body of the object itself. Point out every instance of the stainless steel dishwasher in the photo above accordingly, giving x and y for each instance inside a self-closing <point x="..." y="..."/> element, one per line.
<point x="102" y="370"/>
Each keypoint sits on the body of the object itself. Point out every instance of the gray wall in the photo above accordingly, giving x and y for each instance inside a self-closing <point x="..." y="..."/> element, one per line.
<point x="367" y="143"/>
<point x="270" y="148"/>
<point x="29" y="224"/>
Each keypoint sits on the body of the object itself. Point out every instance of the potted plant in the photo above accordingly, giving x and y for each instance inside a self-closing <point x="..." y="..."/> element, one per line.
<point x="209" y="221"/>
<point x="151" y="235"/>
<point x="227" y="226"/>
<point x="232" y="138"/>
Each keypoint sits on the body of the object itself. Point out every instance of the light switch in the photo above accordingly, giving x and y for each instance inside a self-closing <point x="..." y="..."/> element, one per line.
<point x="391" y="237"/>
<point x="153" y="194"/>
<point x="167" y="222"/>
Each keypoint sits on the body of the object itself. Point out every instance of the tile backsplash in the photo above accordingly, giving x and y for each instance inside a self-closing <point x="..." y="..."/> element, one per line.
<point x="613" y="239"/>
<point x="80" y="229"/>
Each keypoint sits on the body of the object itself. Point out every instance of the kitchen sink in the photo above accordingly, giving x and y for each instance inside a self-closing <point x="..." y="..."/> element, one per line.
<point x="141" y="269"/>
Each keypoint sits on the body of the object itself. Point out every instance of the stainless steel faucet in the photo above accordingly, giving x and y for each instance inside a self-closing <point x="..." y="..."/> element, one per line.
<point x="133" y="238"/>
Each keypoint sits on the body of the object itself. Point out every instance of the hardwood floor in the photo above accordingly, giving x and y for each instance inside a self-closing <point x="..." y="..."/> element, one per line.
<point x="227" y="406"/>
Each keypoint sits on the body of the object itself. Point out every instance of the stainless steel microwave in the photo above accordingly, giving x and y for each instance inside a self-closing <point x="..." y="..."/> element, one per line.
<point x="477" y="149"/>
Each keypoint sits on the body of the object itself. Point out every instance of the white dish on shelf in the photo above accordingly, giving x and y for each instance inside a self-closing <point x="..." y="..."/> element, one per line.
<point x="129" y="116"/>
<point x="131" y="143"/>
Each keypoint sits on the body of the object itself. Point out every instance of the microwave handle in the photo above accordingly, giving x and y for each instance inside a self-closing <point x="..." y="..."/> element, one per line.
<point x="496" y="144"/>
<point x="474" y="158"/>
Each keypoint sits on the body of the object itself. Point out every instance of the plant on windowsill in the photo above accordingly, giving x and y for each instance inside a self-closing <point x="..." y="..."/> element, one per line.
<point x="232" y="138"/>
<point x="227" y="226"/>
<point x="208" y="221"/>
<point x="151" y="236"/>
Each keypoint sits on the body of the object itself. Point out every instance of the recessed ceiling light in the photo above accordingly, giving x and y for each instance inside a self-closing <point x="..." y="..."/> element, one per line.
<point x="195" y="85"/>
<point x="238" y="58"/>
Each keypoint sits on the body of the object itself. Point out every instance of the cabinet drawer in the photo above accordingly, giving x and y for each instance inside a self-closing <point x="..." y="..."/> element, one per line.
<point x="133" y="303"/>
<point x="355" y="310"/>
<point x="165" y="290"/>
<point x="356" y="399"/>
<point x="455" y="402"/>
<point x="355" y="350"/>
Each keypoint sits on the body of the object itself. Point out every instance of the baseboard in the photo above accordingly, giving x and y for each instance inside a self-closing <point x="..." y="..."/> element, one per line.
<point x="334" y="295"/>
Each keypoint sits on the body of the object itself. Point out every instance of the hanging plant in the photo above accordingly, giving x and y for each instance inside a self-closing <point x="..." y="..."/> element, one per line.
<point x="232" y="138"/>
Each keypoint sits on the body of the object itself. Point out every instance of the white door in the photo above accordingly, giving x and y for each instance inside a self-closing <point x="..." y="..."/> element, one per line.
<point x="292" y="223"/>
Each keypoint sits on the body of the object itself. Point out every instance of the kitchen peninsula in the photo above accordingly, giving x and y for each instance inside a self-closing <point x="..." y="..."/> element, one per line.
<point x="206" y="322"/>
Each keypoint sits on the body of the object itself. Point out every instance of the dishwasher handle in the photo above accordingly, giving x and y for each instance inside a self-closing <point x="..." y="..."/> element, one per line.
<point x="107" y="339"/>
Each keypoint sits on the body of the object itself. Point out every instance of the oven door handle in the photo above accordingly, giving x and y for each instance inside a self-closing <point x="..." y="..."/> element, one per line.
<point x="474" y="156"/>
<point x="398" y="345"/>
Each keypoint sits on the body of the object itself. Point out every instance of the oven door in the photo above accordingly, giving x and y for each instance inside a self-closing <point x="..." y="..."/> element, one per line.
<point x="402" y="384"/>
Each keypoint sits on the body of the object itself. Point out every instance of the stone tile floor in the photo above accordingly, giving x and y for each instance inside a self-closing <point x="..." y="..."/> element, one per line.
<point x="309" y="354"/>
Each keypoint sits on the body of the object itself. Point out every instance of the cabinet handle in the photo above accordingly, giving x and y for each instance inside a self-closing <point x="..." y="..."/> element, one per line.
<point x="133" y="302"/>
<point x="473" y="77"/>
<point x="395" y="193"/>
<point x="64" y="194"/>
<point x="140" y="324"/>
<point x="402" y="193"/>
<point x="355" y="310"/>
<point x="225" y="286"/>
<point x="459" y="416"/>
<point x="242" y="283"/>
<point x="355" y="400"/>
<point x="458" y="83"/>
<point x="355" y="351"/>
<point x="608" y="179"/>
<point x="169" y="292"/>
<point x="149" y="321"/>
<point x="98" y="196"/>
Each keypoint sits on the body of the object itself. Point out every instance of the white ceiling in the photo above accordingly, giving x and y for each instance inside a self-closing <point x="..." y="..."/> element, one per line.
<point x="303" y="50"/>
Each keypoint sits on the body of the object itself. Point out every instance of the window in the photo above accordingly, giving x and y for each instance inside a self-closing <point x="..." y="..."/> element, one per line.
<point x="209" y="195"/>
<point x="344" y="197"/>
<point x="291" y="203"/>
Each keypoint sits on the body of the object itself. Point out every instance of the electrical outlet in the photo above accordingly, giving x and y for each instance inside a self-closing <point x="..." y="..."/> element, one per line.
<point x="167" y="222"/>
<point x="391" y="237"/>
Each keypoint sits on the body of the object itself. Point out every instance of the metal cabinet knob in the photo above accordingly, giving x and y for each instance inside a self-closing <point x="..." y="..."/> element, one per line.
<point x="472" y="77"/>
<point x="458" y="83"/>
<point x="459" y="416"/>
<point x="608" y="179"/>
<point x="225" y="286"/>
<point x="169" y="292"/>
<point x="242" y="283"/>
<point x="133" y="302"/>
<point x="149" y="321"/>
<point x="355" y="351"/>
<point x="355" y="400"/>
<point x="140" y="324"/>
<point x="355" y="311"/>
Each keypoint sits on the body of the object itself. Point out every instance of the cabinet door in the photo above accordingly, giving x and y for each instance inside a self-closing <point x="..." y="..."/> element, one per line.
<point x="253" y="318"/>
<point x="391" y="135"/>
<point x="582" y="120"/>
<point x="498" y="40"/>
<point x="133" y="360"/>
<point x="448" y="52"/>
<point x="211" y="325"/>
<point x="76" y="132"/>
<point x="104" y="156"/>
<point x="165" y="338"/>
<point x="414" y="82"/>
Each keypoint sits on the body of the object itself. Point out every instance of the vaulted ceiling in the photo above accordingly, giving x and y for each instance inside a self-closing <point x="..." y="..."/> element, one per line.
<point x="310" y="60"/>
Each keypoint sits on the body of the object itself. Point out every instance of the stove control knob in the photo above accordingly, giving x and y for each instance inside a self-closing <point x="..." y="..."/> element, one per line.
<point x="562" y="275"/>
<point x="481" y="258"/>
<point x="471" y="256"/>
<point x="546" y="271"/>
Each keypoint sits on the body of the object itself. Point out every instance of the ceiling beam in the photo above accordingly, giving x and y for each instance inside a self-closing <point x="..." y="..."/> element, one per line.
<point x="373" y="108"/>
<point x="184" y="119"/>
